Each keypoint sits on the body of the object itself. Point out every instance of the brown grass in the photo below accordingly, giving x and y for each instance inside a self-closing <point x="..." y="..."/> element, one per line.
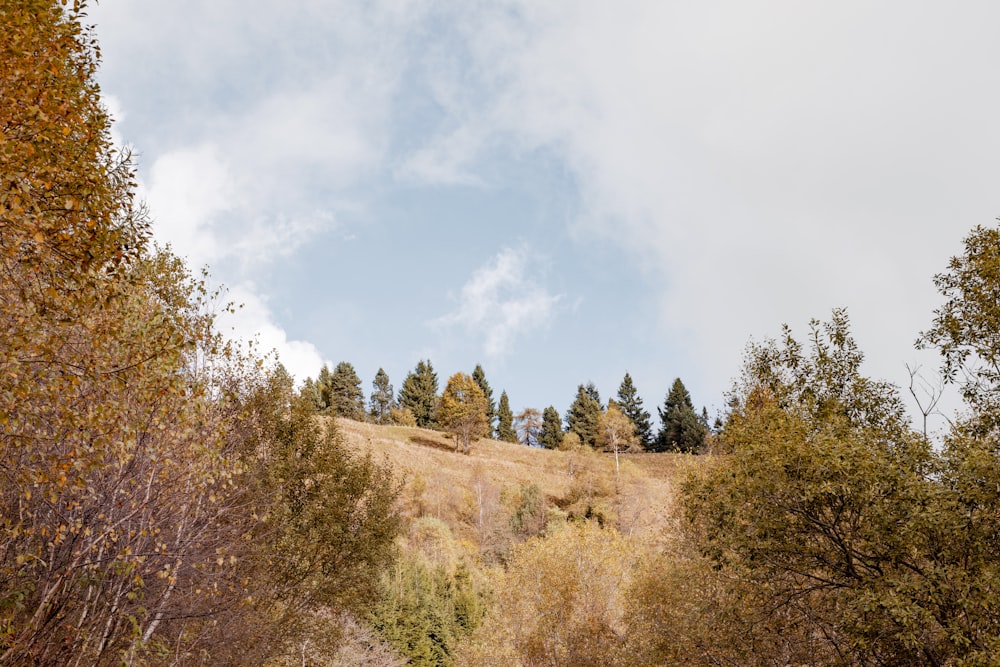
<point x="467" y="491"/>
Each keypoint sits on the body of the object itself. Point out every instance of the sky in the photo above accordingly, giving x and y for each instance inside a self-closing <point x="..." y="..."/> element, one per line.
<point x="562" y="191"/>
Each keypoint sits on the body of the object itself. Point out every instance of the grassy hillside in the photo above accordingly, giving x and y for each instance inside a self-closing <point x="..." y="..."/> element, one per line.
<point x="475" y="494"/>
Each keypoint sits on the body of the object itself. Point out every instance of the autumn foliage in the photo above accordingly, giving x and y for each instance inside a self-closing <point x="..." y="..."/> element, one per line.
<point x="136" y="521"/>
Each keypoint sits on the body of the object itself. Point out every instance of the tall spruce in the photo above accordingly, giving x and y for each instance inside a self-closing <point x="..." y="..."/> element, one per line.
<point x="551" y="435"/>
<point x="630" y="404"/>
<point x="505" y="420"/>
<point x="346" y="397"/>
<point x="584" y="414"/>
<point x="683" y="430"/>
<point x="419" y="394"/>
<point x="491" y="407"/>
<point x="382" y="399"/>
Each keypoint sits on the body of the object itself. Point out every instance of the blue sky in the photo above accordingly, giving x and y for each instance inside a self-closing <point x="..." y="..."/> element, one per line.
<point x="566" y="190"/>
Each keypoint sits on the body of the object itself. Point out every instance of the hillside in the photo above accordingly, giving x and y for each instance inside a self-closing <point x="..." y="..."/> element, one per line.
<point x="469" y="491"/>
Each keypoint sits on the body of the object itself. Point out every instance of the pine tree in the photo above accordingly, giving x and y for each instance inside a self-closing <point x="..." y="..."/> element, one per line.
<point x="583" y="415"/>
<point x="491" y="413"/>
<point x="505" y="420"/>
<point x="419" y="394"/>
<point x="683" y="430"/>
<point x="382" y="399"/>
<point x="552" y="434"/>
<point x="630" y="403"/>
<point x="322" y="386"/>
<point x="346" y="397"/>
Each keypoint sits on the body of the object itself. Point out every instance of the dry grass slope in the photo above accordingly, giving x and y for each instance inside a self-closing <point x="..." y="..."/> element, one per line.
<point x="466" y="491"/>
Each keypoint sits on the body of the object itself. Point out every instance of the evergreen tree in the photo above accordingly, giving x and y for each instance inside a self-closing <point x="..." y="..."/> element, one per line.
<point x="552" y="434"/>
<point x="382" y="399"/>
<point x="682" y="430"/>
<point x="583" y="415"/>
<point x="491" y="412"/>
<point x="321" y="395"/>
<point x="631" y="404"/>
<point x="505" y="420"/>
<point x="346" y="397"/>
<point x="419" y="394"/>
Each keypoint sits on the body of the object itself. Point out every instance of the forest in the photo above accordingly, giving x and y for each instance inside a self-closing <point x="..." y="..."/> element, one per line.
<point x="170" y="498"/>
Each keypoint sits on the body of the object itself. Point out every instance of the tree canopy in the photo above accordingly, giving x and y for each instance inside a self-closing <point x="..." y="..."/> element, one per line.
<point x="584" y="413"/>
<point x="419" y="394"/>
<point x="630" y="404"/>
<point x="463" y="411"/>
<point x="682" y="430"/>
<point x="505" y="420"/>
<point x="479" y="375"/>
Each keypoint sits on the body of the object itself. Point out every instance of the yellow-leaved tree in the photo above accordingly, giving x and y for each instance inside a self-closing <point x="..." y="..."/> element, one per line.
<point x="138" y="512"/>
<point x="462" y="411"/>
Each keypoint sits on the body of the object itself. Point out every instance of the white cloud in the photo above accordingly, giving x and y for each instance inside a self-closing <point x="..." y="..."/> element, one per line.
<point x="766" y="163"/>
<point x="187" y="191"/>
<point x="501" y="302"/>
<point x="253" y="321"/>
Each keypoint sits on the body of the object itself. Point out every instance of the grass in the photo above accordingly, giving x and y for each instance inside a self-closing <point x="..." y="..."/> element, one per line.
<point x="473" y="493"/>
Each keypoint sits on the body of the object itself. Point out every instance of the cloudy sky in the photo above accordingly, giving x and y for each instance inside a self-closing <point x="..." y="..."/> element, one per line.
<point x="562" y="190"/>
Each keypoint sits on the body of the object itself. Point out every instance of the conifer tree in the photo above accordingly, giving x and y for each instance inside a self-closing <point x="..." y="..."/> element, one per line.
<point x="551" y="435"/>
<point x="505" y="420"/>
<point x="491" y="413"/>
<point x="682" y="430"/>
<point x="382" y="399"/>
<point x="630" y="403"/>
<point x="346" y="397"/>
<point x="529" y="425"/>
<point x="419" y="394"/>
<point x="583" y="415"/>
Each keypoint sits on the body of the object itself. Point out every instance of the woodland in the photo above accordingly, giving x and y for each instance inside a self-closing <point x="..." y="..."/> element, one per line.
<point x="169" y="498"/>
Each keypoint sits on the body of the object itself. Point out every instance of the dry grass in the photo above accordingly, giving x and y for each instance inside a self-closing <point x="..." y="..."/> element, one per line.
<point x="468" y="491"/>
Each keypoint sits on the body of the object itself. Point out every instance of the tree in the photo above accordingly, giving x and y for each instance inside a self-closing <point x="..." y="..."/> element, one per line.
<point x="382" y="399"/>
<point x="682" y="430"/>
<point x="332" y="518"/>
<point x="346" y="397"/>
<point x="491" y="413"/>
<point x="529" y="426"/>
<point x="616" y="432"/>
<point x="137" y="509"/>
<point x="965" y="327"/>
<point x="463" y="411"/>
<point x="560" y="600"/>
<point x="505" y="420"/>
<point x="551" y="434"/>
<point x="631" y="404"/>
<point x="583" y="415"/>
<point x="419" y="394"/>
<point x="848" y="539"/>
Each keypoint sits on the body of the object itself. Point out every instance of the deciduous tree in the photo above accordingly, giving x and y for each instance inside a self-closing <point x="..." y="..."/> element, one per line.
<point x="463" y="411"/>
<point x="529" y="426"/>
